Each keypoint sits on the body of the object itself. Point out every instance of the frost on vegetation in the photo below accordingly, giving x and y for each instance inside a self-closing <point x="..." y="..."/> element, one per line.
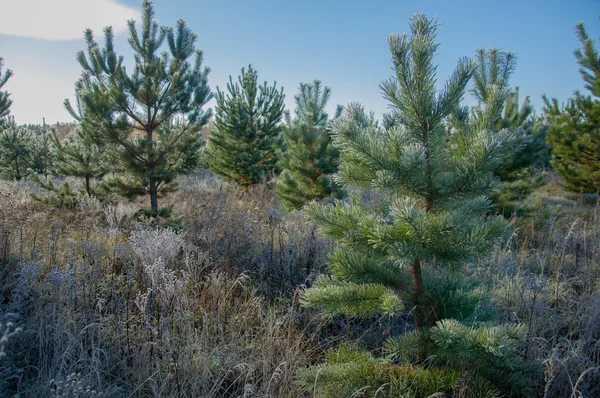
<point x="59" y="278"/>
<point x="26" y="286"/>
<point x="202" y="182"/>
<point x="157" y="250"/>
<point x="167" y="287"/>
<point x="165" y="279"/>
<point x="6" y="332"/>
<point x="152" y="244"/>
<point x="72" y="387"/>
<point x="117" y="215"/>
<point x="29" y="273"/>
<point x="89" y="205"/>
<point x="92" y="252"/>
<point x="18" y="191"/>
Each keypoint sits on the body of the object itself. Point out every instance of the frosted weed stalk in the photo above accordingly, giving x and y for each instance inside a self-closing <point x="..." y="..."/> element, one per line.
<point x="6" y="333"/>
<point x="152" y="244"/>
<point x="158" y="250"/>
<point x="89" y="206"/>
<point x="72" y="387"/>
<point x="166" y="287"/>
<point x="117" y="215"/>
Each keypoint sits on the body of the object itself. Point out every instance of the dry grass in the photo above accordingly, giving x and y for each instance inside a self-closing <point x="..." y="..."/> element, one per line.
<point x="548" y="278"/>
<point x="112" y="306"/>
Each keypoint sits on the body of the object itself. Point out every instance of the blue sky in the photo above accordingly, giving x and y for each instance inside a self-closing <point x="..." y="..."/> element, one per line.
<point x="342" y="43"/>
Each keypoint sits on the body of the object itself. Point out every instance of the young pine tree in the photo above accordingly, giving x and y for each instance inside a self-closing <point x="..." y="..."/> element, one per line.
<point x="498" y="107"/>
<point x="309" y="158"/>
<point x="433" y="216"/>
<point x="574" y="135"/>
<point x="5" y="101"/>
<point x="77" y="155"/>
<point x="246" y="137"/>
<point x="150" y="121"/>
<point x="15" y="150"/>
<point x="41" y="154"/>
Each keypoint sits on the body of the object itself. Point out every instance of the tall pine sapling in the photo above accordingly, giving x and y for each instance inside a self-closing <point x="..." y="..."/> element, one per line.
<point x="309" y="158"/>
<point x="574" y="135"/>
<point x="151" y="119"/>
<point x="435" y="211"/>
<point x="434" y="214"/>
<point x="247" y="135"/>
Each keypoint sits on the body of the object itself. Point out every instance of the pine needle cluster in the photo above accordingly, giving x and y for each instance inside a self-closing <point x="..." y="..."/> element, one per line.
<point x="77" y="155"/>
<point x="15" y="150"/>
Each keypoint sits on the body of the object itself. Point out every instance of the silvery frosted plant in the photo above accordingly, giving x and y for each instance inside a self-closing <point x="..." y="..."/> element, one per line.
<point x="89" y="205"/>
<point x="7" y="332"/>
<point x="58" y="278"/>
<point x="152" y="244"/>
<point x="29" y="273"/>
<point x="157" y="250"/>
<point x="117" y="215"/>
<point x="164" y="279"/>
<point x="167" y="287"/>
<point x="72" y="387"/>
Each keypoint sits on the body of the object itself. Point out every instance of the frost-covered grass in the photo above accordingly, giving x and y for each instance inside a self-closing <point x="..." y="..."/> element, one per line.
<point x="95" y="302"/>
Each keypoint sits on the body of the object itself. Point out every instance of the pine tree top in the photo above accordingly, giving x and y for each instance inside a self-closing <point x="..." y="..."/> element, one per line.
<point x="5" y="101"/>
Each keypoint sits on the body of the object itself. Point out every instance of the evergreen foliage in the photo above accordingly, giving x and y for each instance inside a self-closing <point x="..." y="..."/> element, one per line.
<point x="42" y="161"/>
<point x="350" y="371"/>
<point x="5" y="101"/>
<point x="463" y="361"/>
<point x="77" y="155"/>
<point x="433" y="218"/>
<point x="491" y="354"/>
<point x="498" y="108"/>
<point x="451" y="294"/>
<point x="63" y="196"/>
<point x="15" y="150"/>
<point x="308" y="159"/>
<point x="247" y="135"/>
<point x="150" y="121"/>
<point x="575" y="127"/>
<point x="435" y="207"/>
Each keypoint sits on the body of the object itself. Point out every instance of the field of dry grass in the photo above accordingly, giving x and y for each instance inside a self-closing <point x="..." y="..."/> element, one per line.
<point x="96" y="302"/>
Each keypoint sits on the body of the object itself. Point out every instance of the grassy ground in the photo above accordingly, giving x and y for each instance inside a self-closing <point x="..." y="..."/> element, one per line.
<point x="95" y="302"/>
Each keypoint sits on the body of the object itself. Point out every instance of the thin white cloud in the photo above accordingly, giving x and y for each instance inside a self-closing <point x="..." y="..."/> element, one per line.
<point x="62" y="19"/>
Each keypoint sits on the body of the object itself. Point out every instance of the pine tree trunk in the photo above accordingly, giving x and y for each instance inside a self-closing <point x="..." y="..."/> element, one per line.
<point x="418" y="292"/>
<point x="88" y="186"/>
<point x="153" y="197"/>
<point x="419" y="312"/>
<point x="17" y="172"/>
<point x="153" y="183"/>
